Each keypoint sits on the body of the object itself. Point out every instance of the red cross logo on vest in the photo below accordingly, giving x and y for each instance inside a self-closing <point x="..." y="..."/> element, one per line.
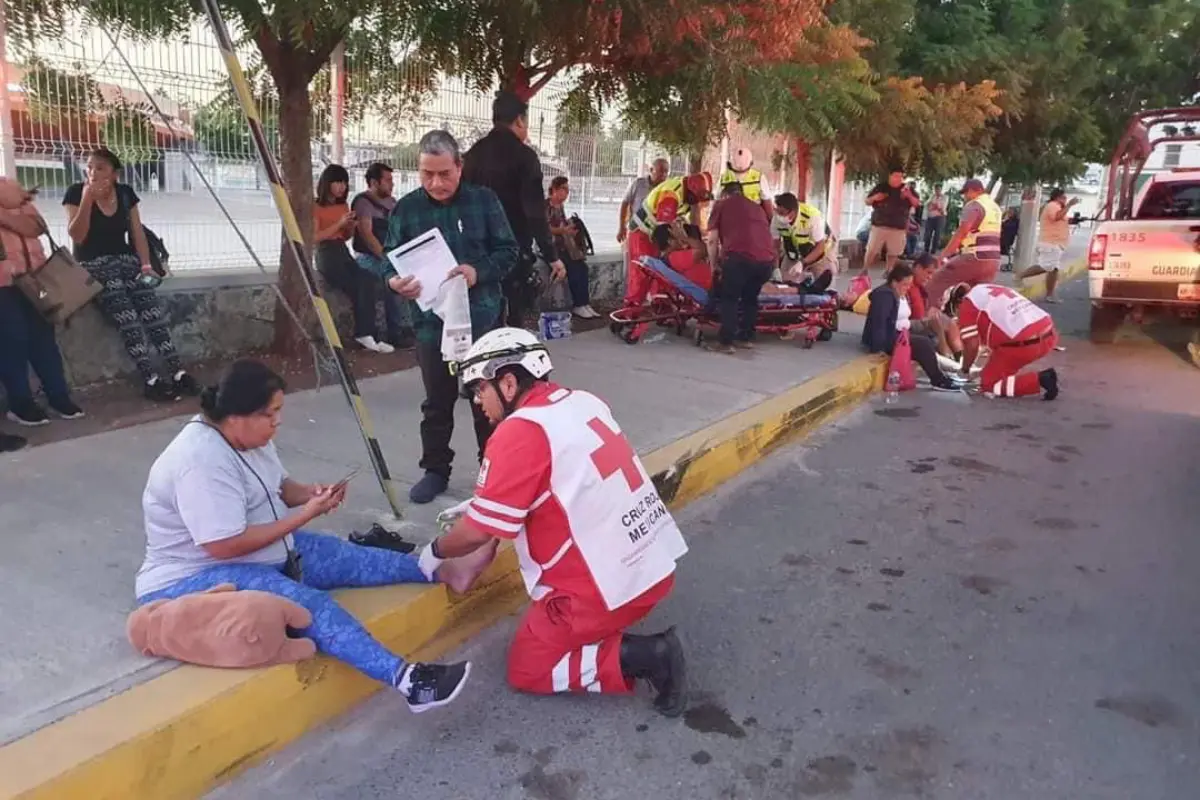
<point x="1000" y="291"/>
<point x="615" y="455"/>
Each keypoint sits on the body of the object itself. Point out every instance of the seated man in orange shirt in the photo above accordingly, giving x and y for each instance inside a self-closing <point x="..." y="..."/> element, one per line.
<point x="926" y="316"/>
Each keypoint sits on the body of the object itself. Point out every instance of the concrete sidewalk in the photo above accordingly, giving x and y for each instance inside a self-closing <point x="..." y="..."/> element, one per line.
<point x="71" y="512"/>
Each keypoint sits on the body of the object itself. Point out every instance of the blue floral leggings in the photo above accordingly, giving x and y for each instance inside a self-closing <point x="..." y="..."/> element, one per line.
<point x="327" y="562"/>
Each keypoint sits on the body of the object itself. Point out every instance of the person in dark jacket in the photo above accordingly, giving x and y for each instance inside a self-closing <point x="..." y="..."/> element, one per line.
<point x="504" y="163"/>
<point x="889" y="314"/>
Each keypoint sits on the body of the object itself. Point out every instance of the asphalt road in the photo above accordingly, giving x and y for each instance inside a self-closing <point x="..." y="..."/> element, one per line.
<point x="941" y="598"/>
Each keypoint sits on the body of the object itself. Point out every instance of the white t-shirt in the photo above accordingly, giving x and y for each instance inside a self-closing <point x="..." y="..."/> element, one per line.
<point x="199" y="492"/>
<point x="904" y="315"/>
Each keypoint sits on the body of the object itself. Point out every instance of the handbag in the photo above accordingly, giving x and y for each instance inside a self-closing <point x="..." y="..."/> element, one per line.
<point x="159" y="256"/>
<point x="902" y="363"/>
<point x="59" y="286"/>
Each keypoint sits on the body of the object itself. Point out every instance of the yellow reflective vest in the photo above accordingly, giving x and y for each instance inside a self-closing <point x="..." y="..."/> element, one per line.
<point x="984" y="243"/>
<point x="645" y="219"/>
<point x="751" y="181"/>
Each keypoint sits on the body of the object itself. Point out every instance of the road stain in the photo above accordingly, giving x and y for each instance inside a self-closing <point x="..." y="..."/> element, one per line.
<point x="828" y="775"/>
<point x="888" y="670"/>
<point x="766" y="620"/>
<point x="905" y="760"/>
<point x="845" y="570"/>
<point x="1069" y="449"/>
<point x="797" y="560"/>
<point x="975" y="465"/>
<point x="871" y="485"/>
<point x="544" y="756"/>
<point x="711" y="718"/>
<point x="999" y="544"/>
<point x="701" y="757"/>
<point x="1057" y="458"/>
<point x="756" y="774"/>
<point x="641" y="727"/>
<point x="1029" y="437"/>
<point x="1003" y="426"/>
<point x="1149" y="709"/>
<point x="897" y="413"/>
<point x="776" y="763"/>
<point x="878" y="607"/>
<point x="643" y="755"/>
<point x="920" y="468"/>
<point x="858" y="542"/>
<point x="563" y="785"/>
<point x="955" y="522"/>
<point x="750" y="722"/>
<point x="982" y="583"/>
<point x="1056" y="523"/>
<point x="950" y="487"/>
<point x="892" y="572"/>
<point x="506" y="747"/>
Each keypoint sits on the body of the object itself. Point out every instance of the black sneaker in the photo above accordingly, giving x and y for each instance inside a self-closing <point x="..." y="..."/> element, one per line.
<point x="432" y="685"/>
<point x="382" y="538"/>
<point x="29" y="414"/>
<point x="185" y="384"/>
<point x="658" y="659"/>
<point x="67" y="409"/>
<point x="1048" y="378"/>
<point x="11" y="444"/>
<point x="161" y="391"/>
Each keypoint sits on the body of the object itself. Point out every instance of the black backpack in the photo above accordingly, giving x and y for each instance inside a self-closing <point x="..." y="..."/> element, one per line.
<point x="583" y="237"/>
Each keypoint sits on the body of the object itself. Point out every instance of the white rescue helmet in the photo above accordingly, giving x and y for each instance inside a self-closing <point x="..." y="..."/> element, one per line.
<point x="952" y="298"/>
<point x="741" y="160"/>
<point x="504" y="347"/>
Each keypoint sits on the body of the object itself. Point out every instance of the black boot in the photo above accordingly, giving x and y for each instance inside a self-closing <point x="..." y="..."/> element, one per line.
<point x="658" y="659"/>
<point x="1048" y="378"/>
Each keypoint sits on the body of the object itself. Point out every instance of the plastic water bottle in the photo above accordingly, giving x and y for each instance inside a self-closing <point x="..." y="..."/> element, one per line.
<point x="893" y="387"/>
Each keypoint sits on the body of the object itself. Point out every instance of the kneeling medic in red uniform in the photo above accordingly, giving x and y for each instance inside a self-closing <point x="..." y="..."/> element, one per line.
<point x="596" y="544"/>
<point x="1016" y="332"/>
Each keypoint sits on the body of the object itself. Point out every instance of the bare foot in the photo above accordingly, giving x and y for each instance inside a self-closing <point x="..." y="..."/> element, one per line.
<point x="459" y="574"/>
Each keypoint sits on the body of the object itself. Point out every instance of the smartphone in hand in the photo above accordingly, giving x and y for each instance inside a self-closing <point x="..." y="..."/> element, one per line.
<point x="347" y="479"/>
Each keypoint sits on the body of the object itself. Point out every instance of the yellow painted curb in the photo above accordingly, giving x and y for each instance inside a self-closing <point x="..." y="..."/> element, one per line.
<point x="177" y="735"/>
<point x="1036" y="290"/>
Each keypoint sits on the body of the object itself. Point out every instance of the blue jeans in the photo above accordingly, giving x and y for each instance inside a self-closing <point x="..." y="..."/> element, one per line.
<point x="327" y="563"/>
<point x="396" y="309"/>
<point x="27" y="339"/>
<point x="577" y="282"/>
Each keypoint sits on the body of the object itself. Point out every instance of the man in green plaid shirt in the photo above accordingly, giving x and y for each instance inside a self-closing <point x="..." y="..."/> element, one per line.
<point x="476" y="229"/>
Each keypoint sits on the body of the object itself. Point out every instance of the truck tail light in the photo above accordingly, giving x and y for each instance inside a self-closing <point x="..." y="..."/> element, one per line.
<point x="1097" y="250"/>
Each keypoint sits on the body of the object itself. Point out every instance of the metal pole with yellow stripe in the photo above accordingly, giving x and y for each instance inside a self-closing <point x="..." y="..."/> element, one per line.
<point x="295" y="241"/>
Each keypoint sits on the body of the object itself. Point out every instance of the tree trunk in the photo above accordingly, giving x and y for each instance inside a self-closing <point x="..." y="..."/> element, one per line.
<point x="803" y="169"/>
<point x="695" y="161"/>
<point x="295" y="155"/>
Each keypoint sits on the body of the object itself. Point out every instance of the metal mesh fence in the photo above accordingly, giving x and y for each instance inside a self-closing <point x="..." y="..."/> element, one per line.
<point x="73" y="94"/>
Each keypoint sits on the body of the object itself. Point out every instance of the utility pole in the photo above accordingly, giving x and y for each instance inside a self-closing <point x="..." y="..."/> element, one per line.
<point x="1027" y="232"/>
<point x="337" y="102"/>
<point x="7" y="141"/>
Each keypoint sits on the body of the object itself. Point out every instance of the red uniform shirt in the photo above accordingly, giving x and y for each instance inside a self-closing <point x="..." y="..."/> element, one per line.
<point x="999" y="316"/>
<point x="513" y="490"/>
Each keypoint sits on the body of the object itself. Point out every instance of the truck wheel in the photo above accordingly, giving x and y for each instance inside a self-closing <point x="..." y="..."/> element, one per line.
<point x="1104" y="323"/>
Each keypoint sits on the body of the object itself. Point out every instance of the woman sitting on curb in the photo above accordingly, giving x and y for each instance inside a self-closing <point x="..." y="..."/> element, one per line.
<point x="889" y="314"/>
<point x="26" y="337"/>
<point x="220" y="508"/>
<point x="104" y="223"/>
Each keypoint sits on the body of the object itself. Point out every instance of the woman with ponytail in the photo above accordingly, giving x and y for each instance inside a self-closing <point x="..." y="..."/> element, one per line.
<point x="220" y="508"/>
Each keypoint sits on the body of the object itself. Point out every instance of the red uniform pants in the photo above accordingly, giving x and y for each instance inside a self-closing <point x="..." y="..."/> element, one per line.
<point x="638" y="282"/>
<point x="1002" y="374"/>
<point x="563" y="645"/>
<point x="960" y="269"/>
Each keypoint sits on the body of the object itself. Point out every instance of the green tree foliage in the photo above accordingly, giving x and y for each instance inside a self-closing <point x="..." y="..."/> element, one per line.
<point x="128" y="132"/>
<point x="60" y="97"/>
<point x="294" y="39"/>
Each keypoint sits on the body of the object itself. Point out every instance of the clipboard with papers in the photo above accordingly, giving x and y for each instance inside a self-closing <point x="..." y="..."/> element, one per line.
<point x="428" y="259"/>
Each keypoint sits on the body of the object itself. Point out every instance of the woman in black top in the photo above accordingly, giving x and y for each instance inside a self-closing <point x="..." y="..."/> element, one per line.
<point x="110" y="243"/>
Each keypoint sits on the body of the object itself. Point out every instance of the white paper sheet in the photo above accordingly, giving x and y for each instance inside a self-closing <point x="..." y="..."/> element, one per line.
<point x="428" y="259"/>
<point x="453" y="305"/>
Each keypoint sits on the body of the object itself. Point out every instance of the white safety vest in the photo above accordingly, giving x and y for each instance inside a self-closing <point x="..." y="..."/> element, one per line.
<point x="622" y="528"/>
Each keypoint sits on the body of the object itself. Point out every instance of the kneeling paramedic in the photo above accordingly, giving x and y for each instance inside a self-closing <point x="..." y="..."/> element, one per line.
<point x="1014" y="329"/>
<point x="595" y="542"/>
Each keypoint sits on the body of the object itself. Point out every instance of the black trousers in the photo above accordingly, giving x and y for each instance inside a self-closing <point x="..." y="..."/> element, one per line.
<point x="520" y="292"/>
<point x="364" y="289"/>
<point x="924" y="352"/>
<point x="741" y="282"/>
<point x="437" y="411"/>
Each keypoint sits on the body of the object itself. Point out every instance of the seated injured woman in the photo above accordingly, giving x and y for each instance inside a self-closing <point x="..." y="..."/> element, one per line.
<point x="219" y="507"/>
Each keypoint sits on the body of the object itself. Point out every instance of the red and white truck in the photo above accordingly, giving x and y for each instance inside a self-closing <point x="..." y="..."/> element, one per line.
<point x="1144" y="255"/>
